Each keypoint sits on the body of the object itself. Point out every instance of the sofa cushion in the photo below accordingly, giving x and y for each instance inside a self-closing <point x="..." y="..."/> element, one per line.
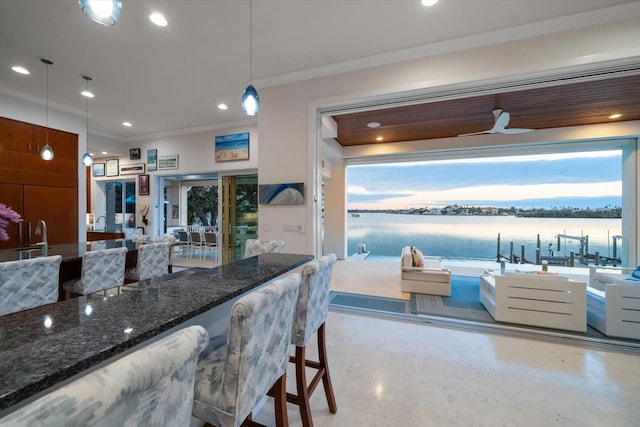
<point x="636" y="272"/>
<point x="417" y="257"/>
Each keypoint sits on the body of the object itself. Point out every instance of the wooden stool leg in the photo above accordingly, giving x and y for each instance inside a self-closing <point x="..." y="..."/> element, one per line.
<point x="280" y="401"/>
<point x="326" y="379"/>
<point x="301" y="385"/>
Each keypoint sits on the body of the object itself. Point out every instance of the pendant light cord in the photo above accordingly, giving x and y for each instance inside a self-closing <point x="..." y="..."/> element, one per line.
<point x="250" y="41"/>
<point x="47" y="63"/>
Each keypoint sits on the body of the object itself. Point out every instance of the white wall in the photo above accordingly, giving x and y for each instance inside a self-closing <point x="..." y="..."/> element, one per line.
<point x="288" y="123"/>
<point x="32" y="112"/>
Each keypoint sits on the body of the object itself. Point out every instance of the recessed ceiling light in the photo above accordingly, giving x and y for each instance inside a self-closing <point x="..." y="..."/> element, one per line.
<point x="615" y="116"/>
<point x="429" y="2"/>
<point x="222" y="106"/>
<point x="158" y="19"/>
<point x="373" y="125"/>
<point x="104" y="152"/>
<point x="87" y="94"/>
<point x="20" y="70"/>
<point x="127" y="124"/>
<point x="379" y="138"/>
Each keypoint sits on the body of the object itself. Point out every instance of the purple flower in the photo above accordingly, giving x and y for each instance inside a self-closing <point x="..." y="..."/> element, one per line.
<point x="7" y="215"/>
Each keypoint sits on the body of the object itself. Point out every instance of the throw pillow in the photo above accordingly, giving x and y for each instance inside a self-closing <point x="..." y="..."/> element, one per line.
<point x="417" y="257"/>
<point x="636" y="272"/>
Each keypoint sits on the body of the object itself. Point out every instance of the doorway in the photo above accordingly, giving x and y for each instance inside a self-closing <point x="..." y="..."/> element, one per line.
<point x="239" y="214"/>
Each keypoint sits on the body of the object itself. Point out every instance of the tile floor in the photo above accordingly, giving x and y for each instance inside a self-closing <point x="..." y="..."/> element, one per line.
<point x="400" y="374"/>
<point x="389" y="373"/>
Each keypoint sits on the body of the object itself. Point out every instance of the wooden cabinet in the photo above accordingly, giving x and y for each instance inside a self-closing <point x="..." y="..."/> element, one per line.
<point x="39" y="189"/>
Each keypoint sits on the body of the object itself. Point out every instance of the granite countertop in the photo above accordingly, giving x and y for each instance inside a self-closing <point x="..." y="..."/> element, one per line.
<point x="45" y="345"/>
<point x="69" y="251"/>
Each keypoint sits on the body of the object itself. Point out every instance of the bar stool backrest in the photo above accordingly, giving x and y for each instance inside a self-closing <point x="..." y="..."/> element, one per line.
<point x="152" y="386"/>
<point x="313" y="299"/>
<point x="102" y="269"/>
<point x="153" y="260"/>
<point x="253" y="247"/>
<point x="28" y="283"/>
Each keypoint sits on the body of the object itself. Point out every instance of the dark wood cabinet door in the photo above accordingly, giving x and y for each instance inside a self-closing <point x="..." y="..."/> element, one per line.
<point x="58" y="207"/>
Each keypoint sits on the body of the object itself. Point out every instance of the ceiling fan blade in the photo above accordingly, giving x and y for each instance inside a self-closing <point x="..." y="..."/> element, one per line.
<point x="501" y="122"/>
<point x="476" y="133"/>
<point x="513" y="131"/>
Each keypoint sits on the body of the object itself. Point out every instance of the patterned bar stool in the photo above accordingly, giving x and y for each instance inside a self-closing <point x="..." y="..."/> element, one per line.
<point x="311" y="313"/>
<point x="153" y="261"/>
<point x="101" y="270"/>
<point x="231" y="379"/>
<point x="253" y="247"/>
<point x="28" y="283"/>
<point x="152" y="386"/>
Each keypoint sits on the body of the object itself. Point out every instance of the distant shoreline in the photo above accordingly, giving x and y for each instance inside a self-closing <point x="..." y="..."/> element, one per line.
<point x="455" y="210"/>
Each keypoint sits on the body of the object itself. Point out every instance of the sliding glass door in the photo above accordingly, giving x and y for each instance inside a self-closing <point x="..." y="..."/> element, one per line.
<point x="239" y="214"/>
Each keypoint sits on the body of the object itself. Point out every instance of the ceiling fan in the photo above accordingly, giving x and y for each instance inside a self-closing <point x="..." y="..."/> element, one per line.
<point x="500" y="125"/>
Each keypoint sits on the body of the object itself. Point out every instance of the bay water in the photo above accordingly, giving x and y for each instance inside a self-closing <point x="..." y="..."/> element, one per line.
<point x="475" y="237"/>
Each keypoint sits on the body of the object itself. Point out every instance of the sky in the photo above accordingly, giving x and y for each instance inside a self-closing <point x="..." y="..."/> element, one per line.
<point x="581" y="180"/>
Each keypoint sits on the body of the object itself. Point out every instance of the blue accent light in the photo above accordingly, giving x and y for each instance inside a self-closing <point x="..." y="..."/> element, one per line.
<point x="250" y="101"/>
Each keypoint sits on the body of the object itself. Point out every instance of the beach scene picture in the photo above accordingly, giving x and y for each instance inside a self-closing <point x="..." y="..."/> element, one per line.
<point x="232" y="147"/>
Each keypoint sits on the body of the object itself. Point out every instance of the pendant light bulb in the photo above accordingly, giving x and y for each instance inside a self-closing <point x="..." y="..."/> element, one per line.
<point x="46" y="152"/>
<point x="87" y="158"/>
<point x="105" y="12"/>
<point x="250" y="101"/>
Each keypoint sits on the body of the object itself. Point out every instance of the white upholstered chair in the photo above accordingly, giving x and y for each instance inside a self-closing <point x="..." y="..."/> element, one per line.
<point x="152" y="386"/>
<point x="236" y="372"/>
<point x="101" y="270"/>
<point x="310" y="316"/>
<point x="253" y="247"/>
<point x="28" y="283"/>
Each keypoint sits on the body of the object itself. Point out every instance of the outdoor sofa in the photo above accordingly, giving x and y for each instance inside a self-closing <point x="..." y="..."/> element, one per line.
<point x="430" y="279"/>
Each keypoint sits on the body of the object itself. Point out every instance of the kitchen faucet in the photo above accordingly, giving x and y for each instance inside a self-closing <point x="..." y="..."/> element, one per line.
<point x="41" y="228"/>
<point x="98" y="219"/>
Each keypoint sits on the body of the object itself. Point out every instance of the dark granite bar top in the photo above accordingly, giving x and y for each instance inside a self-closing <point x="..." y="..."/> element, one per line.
<point x="69" y="251"/>
<point x="45" y="345"/>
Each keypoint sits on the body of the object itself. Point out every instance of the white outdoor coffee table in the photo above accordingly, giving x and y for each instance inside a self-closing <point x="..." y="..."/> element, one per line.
<point x="545" y="300"/>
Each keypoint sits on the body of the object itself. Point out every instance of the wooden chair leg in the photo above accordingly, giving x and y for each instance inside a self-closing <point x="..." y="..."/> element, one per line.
<point x="326" y="378"/>
<point x="280" y="401"/>
<point x="302" y="399"/>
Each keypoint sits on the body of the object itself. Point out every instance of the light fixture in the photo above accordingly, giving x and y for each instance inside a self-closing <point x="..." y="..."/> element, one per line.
<point x="250" y="99"/>
<point x="373" y="125"/>
<point x="46" y="152"/>
<point x="379" y="138"/>
<point x="87" y="158"/>
<point x="127" y="124"/>
<point x="20" y="70"/>
<point x="105" y="12"/>
<point x="158" y="19"/>
<point x="222" y="106"/>
<point x="429" y="2"/>
<point x="615" y="116"/>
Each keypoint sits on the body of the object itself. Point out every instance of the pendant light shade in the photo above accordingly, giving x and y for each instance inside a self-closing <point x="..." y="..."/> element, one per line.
<point x="87" y="158"/>
<point x="250" y="99"/>
<point x="46" y="152"/>
<point x="105" y="12"/>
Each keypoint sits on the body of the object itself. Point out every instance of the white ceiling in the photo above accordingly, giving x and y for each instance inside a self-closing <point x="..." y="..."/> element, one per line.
<point x="172" y="79"/>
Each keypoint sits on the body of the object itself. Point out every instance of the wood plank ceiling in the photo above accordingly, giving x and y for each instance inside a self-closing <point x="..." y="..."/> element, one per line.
<point x="573" y="104"/>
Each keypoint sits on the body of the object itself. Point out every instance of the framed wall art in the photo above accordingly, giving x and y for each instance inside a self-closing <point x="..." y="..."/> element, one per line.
<point x="134" y="169"/>
<point x="168" y="162"/>
<point x="143" y="185"/>
<point x="134" y="154"/>
<point x="112" y="167"/>
<point x="281" y="194"/>
<point x="232" y="147"/>
<point x="152" y="160"/>
<point x="98" y="169"/>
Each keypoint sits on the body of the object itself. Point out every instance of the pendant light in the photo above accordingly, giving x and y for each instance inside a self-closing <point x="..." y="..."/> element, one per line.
<point x="250" y="99"/>
<point x="87" y="158"/>
<point x="46" y="152"/>
<point x="105" y="12"/>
